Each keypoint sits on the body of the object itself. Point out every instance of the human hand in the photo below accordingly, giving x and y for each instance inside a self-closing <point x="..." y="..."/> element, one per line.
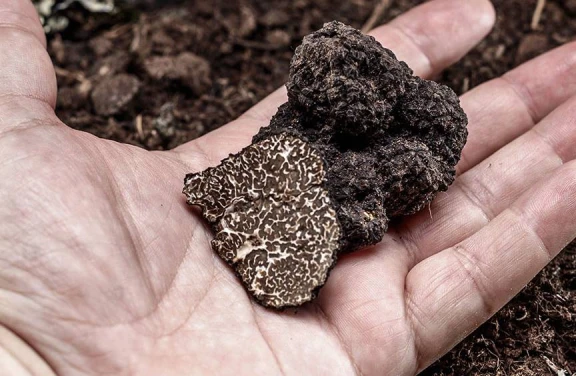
<point x="104" y="269"/>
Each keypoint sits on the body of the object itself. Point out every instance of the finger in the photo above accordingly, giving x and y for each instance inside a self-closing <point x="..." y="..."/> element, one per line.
<point x="18" y="358"/>
<point x="22" y="15"/>
<point x="418" y="37"/>
<point x="486" y="190"/>
<point x="504" y="108"/>
<point x="452" y="293"/>
<point x="28" y="80"/>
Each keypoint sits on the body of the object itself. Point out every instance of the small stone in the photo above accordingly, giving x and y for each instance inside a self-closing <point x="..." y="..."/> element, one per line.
<point x="278" y="38"/>
<point x="189" y="69"/>
<point x="274" y="17"/>
<point x="113" y="95"/>
<point x="165" y="122"/>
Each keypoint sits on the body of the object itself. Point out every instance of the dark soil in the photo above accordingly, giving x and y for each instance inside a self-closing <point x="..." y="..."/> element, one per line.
<point x="241" y="51"/>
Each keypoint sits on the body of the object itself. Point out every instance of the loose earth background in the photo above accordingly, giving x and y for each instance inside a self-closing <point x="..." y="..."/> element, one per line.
<point x="245" y="48"/>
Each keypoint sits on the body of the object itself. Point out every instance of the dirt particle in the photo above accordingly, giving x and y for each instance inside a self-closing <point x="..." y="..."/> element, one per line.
<point x="570" y="6"/>
<point x="114" y="94"/>
<point x="101" y="45"/>
<point x="278" y="38"/>
<point x="58" y="49"/>
<point x="274" y="17"/>
<point x="530" y="47"/>
<point x="165" y="124"/>
<point x="247" y="22"/>
<point x="187" y="68"/>
<point x="110" y="65"/>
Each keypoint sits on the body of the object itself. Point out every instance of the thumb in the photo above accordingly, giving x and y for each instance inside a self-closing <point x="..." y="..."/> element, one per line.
<point x="27" y="78"/>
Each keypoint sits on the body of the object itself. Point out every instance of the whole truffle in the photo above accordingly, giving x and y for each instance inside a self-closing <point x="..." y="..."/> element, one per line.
<point x="390" y="140"/>
<point x="360" y="141"/>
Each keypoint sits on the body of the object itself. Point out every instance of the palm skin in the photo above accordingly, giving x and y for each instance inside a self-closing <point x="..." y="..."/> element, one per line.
<point x="105" y="270"/>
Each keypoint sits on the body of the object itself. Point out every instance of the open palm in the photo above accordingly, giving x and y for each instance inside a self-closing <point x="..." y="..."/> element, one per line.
<point x="104" y="269"/>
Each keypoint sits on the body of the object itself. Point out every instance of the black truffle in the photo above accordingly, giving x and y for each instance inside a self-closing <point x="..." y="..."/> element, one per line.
<point x="359" y="141"/>
<point x="343" y="76"/>
<point x="273" y="218"/>
<point x="390" y="140"/>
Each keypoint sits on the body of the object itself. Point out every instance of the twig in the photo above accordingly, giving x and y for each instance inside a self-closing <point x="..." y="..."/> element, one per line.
<point x="116" y="31"/>
<point x="78" y="76"/>
<point x="500" y="51"/>
<point x="138" y="123"/>
<point x="537" y="14"/>
<point x="376" y="15"/>
<point x="465" y="85"/>
<point x="553" y="367"/>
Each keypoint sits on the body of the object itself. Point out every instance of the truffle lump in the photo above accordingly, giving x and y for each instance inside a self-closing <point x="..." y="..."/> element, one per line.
<point x="360" y="141"/>
<point x="390" y="140"/>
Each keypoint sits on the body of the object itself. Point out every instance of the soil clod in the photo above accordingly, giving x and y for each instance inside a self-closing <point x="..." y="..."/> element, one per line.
<point x="114" y="94"/>
<point x="189" y="69"/>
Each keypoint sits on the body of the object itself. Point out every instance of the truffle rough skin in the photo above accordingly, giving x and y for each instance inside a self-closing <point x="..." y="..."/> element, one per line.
<point x="273" y="219"/>
<point x="360" y="141"/>
<point x="341" y="75"/>
<point x="390" y="140"/>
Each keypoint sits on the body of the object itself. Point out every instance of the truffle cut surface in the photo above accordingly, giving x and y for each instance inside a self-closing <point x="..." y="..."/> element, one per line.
<point x="273" y="219"/>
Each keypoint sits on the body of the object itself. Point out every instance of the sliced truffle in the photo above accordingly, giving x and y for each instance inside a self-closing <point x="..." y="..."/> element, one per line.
<point x="273" y="219"/>
<point x="360" y="141"/>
